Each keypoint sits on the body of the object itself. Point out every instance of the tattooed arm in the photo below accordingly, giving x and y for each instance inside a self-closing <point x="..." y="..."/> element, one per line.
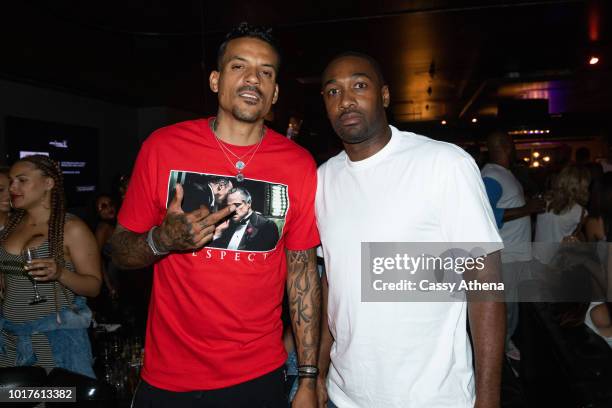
<point x="304" y="294"/>
<point x="179" y="231"/>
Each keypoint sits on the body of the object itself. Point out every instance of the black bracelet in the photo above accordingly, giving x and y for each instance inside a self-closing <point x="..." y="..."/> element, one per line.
<point x="307" y="375"/>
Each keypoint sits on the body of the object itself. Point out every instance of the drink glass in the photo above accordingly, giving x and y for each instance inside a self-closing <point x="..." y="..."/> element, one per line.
<point x="28" y="255"/>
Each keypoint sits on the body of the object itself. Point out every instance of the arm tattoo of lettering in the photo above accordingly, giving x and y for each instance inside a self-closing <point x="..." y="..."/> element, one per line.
<point x="304" y="293"/>
<point x="130" y="249"/>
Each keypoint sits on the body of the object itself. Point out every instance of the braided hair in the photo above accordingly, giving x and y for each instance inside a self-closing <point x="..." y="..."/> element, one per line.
<point x="49" y="168"/>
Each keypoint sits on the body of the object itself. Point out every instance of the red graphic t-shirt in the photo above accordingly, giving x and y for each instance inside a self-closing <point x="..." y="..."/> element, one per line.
<point x="214" y="318"/>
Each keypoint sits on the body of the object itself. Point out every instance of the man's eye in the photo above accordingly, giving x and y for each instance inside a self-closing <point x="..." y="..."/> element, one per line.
<point x="267" y="73"/>
<point x="333" y="92"/>
<point x="361" y="85"/>
<point x="237" y="66"/>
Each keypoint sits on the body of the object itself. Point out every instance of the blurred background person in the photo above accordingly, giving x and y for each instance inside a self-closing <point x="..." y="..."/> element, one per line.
<point x="565" y="211"/>
<point x="50" y="329"/>
<point x="598" y="229"/>
<point x="106" y="211"/>
<point x="512" y="211"/>
<point x="5" y="198"/>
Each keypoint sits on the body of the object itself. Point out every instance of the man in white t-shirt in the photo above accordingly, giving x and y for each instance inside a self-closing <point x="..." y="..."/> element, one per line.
<point x="515" y="227"/>
<point x="393" y="186"/>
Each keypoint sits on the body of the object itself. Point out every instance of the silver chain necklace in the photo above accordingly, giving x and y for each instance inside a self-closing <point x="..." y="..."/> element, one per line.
<point x="239" y="164"/>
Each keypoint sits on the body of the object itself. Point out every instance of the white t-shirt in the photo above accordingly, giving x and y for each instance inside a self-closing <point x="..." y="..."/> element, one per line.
<point x="399" y="354"/>
<point x="516" y="234"/>
<point x="551" y="228"/>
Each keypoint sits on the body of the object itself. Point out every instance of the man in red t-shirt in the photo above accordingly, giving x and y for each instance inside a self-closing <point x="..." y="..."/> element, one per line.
<point x="214" y="328"/>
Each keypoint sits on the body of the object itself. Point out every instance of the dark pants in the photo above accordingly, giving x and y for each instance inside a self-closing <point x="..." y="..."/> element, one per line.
<point x="266" y="391"/>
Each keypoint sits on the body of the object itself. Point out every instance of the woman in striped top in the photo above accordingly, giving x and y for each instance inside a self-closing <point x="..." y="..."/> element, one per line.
<point x="66" y="267"/>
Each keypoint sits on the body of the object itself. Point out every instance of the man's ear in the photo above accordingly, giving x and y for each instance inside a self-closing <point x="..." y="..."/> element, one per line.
<point x="386" y="97"/>
<point x="213" y="81"/>
<point x="275" y="97"/>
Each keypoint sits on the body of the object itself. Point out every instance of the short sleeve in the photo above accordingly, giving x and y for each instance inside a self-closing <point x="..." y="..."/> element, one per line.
<point x="494" y="192"/>
<point x="303" y="233"/>
<point x="139" y="210"/>
<point x="467" y="214"/>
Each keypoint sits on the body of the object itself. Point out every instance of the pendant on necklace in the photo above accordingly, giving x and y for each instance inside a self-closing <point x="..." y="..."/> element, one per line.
<point x="239" y="177"/>
<point x="240" y="165"/>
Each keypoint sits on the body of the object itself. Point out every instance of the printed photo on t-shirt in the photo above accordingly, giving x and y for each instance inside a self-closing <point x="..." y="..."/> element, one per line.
<point x="261" y="208"/>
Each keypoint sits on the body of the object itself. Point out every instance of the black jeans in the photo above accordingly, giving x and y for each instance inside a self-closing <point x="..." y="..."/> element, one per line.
<point x="266" y="391"/>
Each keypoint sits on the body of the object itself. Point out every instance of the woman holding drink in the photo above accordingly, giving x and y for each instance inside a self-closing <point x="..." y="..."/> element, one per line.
<point x="49" y="261"/>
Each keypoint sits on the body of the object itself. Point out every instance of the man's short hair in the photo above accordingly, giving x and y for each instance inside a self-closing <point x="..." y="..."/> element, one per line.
<point x="220" y="180"/>
<point x="243" y="30"/>
<point x="375" y="65"/>
<point x="246" y="196"/>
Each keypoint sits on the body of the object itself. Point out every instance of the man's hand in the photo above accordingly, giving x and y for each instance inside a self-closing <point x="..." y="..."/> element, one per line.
<point x="322" y="391"/>
<point x="220" y="228"/>
<point x="306" y="396"/>
<point x="535" y="205"/>
<point x="182" y="231"/>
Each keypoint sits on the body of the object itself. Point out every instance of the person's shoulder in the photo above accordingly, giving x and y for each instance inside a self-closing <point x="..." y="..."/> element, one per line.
<point x="175" y="131"/>
<point x="333" y="163"/>
<point x="288" y="147"/>
<point x="75" y="228"/>
<point x="421" y="147"/>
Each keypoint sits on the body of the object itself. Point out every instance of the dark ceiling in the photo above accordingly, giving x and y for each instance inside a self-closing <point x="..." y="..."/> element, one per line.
<point x="444" y="60"/>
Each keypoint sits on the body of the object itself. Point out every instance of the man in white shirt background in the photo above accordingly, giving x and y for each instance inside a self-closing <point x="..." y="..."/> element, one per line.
<point x="515" y="228"/>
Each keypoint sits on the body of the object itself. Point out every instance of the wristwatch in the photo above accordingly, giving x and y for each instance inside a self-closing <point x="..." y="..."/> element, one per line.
<point x="151" y="244"/>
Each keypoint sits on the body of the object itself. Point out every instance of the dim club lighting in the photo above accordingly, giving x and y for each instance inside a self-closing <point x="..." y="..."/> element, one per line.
<point x="536" y="164"/>
<point x="474" y="120"/>
<point x="443" y="122"/>
<point x="529" y="132"/>
<point x="526" y="159"/>
<point x="546" y="158"/>
<point x="593" y="60"/>
<point x="536" y="154"/>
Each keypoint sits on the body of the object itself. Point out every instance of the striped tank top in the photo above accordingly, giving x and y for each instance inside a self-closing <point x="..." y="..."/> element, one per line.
<point x="17" y="294"/>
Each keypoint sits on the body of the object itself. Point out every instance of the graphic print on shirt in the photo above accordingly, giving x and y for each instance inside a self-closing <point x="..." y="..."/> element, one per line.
<point x="261" y="208"/>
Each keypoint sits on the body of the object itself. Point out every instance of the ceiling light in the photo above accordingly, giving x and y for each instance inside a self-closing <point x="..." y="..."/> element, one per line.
<point x="474" y="120"/>
<point x="536" y="164"/>
<point x="593" y="60"/>
<point x="443" y="122"/>
<point x="536" y="154"/>
<point x="526" y="159"/>
<point x="546" y="158"/>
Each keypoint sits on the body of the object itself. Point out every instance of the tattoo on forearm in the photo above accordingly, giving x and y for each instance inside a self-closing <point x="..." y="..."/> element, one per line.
<point x="304" y="291"/>
<point x="130" y="250"/>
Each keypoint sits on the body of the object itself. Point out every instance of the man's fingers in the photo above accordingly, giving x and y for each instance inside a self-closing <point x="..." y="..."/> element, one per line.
<point x="205" y="240"/>
<point x="201" y="231"/>
<point x="175" y="204"/>
<point x="219" y="215"/>
<point x="198" y="215"/>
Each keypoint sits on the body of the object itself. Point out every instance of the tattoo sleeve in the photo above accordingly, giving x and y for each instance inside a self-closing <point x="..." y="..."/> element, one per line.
<point x="130" y="249"/>
<point x="304" y="294"/>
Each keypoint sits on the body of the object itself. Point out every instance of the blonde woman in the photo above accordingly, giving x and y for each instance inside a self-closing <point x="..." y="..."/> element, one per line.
<point x="565" y="211"/>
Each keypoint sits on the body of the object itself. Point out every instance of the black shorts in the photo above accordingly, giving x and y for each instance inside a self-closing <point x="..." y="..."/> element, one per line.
<point x="266" y="391"/>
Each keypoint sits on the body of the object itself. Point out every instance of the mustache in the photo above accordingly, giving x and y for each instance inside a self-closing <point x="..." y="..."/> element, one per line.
<point x="250" y="88"/>
<point x="348" y="112"/>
